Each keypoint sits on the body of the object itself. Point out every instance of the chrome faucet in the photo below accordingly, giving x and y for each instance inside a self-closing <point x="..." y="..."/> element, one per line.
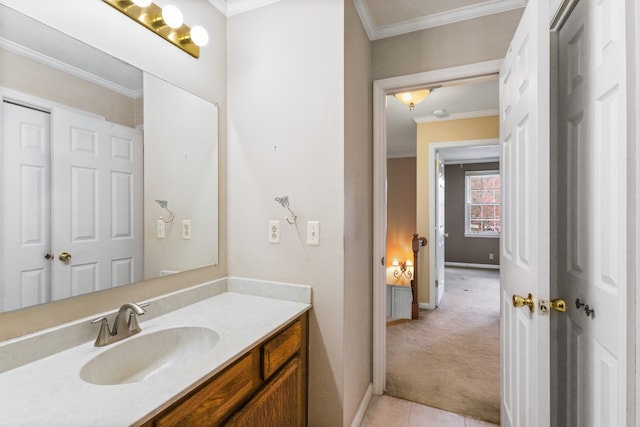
<point x="125" y="324"/>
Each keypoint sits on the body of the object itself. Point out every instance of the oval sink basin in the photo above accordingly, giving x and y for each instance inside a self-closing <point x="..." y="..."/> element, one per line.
<point x="144" y="356"/>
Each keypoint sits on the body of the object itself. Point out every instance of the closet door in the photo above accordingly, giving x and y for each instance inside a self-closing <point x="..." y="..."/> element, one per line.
<point x="25" y="201"/>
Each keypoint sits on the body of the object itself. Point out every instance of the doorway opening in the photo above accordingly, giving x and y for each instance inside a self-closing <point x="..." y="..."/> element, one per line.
<point x="382" y="88"/>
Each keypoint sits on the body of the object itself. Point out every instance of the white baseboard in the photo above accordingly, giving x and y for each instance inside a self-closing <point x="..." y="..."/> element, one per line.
<point x="362" y="409"/>
<point x="468" y="265"/>
<point x="425" y="306"/>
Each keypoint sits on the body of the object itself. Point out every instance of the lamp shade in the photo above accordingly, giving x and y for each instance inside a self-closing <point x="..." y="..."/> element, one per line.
<point x="412" y="98"/>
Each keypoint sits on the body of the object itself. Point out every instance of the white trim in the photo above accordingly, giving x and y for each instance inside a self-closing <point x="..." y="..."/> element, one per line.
<point x="229" y="8"/>
<point x="459" y="74"/>
<point x="462" y="73"/>
<point x="471" y="161"/>
<point x="467" y="202"/>
<point x="69" y="69"/>
<point x="42" y="104"/>
<point x="434" y="20"/>
<point x="362" y="409"/>
<point x="458" y="116"/>
<point x="365" y="18"/>
<point x="486" y="235"/>
<point x="471" y="265"/>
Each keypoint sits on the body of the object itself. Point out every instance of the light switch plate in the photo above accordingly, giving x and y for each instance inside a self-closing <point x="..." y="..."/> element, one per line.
<point x="160" y="229"/>
<point x="313" y="233"/>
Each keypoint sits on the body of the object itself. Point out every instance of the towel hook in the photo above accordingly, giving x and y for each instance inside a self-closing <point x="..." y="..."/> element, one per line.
<point x="163" y="204"/>
<point x="284" y="202"/>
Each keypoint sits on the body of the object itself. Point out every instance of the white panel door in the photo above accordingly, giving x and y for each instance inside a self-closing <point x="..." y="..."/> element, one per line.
<point x="99" y="219"/>
<point x="440" y="225"/>
<point x="524" y="137"/>
<point x="26" y="205"/>
<point x="592" y="215"/>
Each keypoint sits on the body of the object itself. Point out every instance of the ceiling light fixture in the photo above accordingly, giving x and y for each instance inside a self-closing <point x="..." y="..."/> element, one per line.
<point x="166" y="22"/>
<point x="412" y="98"/>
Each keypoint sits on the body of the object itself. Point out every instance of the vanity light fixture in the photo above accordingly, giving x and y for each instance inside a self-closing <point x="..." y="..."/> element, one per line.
<point x="402" y="268"/>
<point x="166" y="22"/>
<point x="412" y="98"/>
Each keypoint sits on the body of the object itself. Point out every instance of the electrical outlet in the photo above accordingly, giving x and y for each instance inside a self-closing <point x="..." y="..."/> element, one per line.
<point x="491" y="255"/>
<point x="274" y="231"/>
<point x="160" y="229"/>
<point x="313" y="233"/>
<point x="186" y="229"/>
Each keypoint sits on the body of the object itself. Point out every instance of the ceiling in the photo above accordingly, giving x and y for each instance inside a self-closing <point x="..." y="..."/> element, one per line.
<point x="456" y="102"/>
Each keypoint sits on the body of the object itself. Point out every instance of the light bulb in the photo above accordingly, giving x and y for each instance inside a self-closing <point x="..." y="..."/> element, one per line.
<point x="199" y="36"/>
<point x="172" y="16"/>
<point x="142" y="3"/>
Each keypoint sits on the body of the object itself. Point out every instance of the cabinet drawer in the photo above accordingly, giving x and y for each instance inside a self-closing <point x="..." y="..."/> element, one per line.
<point x="280" y="349"/>
<point x="216" y="400"/>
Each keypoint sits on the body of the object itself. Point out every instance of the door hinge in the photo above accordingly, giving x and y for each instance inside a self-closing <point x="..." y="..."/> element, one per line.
<point x="382" y="261"/>
<point x="437" y="284"/>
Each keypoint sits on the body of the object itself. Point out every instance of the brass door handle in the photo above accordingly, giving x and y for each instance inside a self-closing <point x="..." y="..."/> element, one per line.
<point x="519" y="301"/>
<point x="64" y="256"/>
<point x="558" y="304"/>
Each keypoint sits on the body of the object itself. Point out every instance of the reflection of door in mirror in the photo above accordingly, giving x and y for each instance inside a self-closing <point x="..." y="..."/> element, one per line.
<point x="77" y="190"/>
<point x="52" y="70"/>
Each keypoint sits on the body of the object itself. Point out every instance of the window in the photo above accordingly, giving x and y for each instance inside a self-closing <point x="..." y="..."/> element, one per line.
<point x="482" y="192"/>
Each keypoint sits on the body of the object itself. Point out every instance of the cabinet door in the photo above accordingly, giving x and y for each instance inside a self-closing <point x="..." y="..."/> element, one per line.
<point x="278" y="404"/>
<point x="215" y="401"/>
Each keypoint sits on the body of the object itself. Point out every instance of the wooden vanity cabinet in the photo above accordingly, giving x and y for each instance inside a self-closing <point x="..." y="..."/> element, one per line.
<point x="266" y="387"/>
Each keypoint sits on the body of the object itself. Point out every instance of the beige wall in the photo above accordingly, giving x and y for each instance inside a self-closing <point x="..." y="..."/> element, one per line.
<point x="138" y="46"/>
<point x="401" y="213"/>
<point x="441" y="131"/>
<point x="287" y="137"/>
<point x="358" y="221"/>
<point x="36" y="79"/>
<point x="460" y="43"/>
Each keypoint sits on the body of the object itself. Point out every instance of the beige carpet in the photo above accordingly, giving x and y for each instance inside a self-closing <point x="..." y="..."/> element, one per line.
<point x="450" y="357"/>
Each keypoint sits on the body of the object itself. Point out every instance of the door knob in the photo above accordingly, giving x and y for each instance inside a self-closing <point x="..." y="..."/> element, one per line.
<point x="558" y="304"/>
<point x="519" y="301"/>
<point x="64" y="256"/>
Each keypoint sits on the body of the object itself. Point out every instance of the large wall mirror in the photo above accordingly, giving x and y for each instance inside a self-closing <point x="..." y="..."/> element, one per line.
<point x="108" y="175"/>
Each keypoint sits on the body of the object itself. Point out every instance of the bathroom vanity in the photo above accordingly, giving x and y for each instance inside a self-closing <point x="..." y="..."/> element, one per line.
<point x="267" y="386"/>
<point x="231" y="352"/>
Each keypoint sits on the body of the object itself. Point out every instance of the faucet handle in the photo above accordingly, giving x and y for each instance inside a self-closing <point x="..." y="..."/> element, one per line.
<point x="134" y="328"/>
<point x="104" y="334"/>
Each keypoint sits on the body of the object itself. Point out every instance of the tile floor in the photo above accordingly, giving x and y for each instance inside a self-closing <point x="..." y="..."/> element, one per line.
<point x="388" y="411"/>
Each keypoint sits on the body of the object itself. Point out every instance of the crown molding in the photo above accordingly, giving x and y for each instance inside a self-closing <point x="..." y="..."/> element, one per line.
<point x="422" y="23"/>
<point x="458" y="116"/>
<point x="230" y="8"/>
<point x="221" y="5"/>
<point x="69" y="69"/>
<point x="365" y="17"/>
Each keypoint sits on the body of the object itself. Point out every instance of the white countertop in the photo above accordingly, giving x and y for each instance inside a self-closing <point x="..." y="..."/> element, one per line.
<point x="50" y="392"/>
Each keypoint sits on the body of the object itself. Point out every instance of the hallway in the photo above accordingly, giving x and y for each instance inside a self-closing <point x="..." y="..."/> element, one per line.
<point x="449" y="358"/>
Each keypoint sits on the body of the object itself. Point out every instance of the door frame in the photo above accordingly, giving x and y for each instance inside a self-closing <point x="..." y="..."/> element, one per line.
<point x="436" y="147"/>
<point x="382" y="88"/>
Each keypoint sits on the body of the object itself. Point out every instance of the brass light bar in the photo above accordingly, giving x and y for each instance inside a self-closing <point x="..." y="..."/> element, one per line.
<point x="151" y="18"/>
